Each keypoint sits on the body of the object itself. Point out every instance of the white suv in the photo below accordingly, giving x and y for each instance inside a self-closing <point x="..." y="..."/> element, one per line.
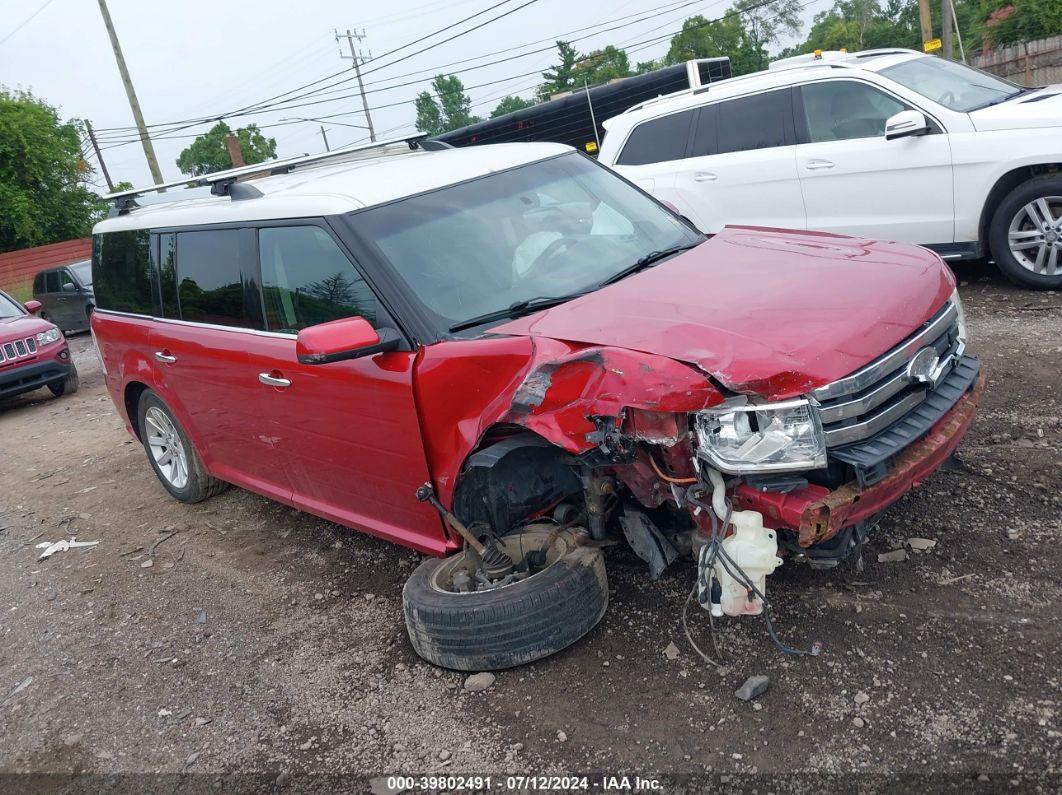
<point x="887" y="144"/>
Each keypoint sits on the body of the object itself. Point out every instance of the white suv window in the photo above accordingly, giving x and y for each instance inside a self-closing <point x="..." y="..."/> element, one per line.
<point x="839" y="110"/>
<point x="657" y="140"/>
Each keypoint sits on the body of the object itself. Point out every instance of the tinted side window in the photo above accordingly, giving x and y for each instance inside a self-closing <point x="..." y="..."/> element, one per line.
<point x="657" y="141"/>
<point x="124" y="272"/>
<point x="756" y="122"/>
<point x="167" y="254"/>
<point x="65" y="278"/>
<point x="307" y="279"/>
<point x="705" y="132"/>
<point x="212" y="284"/>
<point x="51" y="282"/>
<point x="38" y="283"/>
<point x="843" y="109"/>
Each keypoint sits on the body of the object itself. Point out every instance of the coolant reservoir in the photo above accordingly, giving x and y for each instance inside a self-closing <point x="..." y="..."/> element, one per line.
<point x="754" y="548"/>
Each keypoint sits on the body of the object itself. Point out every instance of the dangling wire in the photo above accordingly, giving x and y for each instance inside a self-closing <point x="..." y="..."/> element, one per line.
<point x="716" y="551"/>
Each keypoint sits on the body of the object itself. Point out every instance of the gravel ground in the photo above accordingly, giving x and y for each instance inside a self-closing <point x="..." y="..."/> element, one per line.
<point x="238" y="644"/>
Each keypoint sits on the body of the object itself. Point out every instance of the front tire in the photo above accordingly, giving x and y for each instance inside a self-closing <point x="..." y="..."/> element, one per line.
<point x="513" y="624"/>
<point x="1025" y="234"/>
<point x="171" y="453"/>
<point x="67" y="386"/>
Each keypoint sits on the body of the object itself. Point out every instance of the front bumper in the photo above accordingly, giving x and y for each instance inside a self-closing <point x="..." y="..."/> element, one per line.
<point x="817" y="514"/>
<point x="27" y="377"/>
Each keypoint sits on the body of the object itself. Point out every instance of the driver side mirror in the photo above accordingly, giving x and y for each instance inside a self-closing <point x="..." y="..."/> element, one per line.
<point x="33" y="307"/>
<point x="905" y="124"/>
<point x="69" y="287"/>
<point x="339" y="340"/>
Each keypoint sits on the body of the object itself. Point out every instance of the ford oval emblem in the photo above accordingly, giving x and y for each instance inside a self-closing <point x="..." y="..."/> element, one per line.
<point x="923" y="367"/>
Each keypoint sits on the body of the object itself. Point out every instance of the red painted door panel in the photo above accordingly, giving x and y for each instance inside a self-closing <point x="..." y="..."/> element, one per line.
<point x="350" y="440"/>
<point x="213" y="386"/>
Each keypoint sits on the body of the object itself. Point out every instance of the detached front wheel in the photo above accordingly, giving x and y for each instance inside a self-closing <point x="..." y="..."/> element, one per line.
<point x="457" y="622"/>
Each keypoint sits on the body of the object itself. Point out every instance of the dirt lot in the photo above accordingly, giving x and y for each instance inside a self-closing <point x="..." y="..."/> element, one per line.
<point x="260" y="648"/>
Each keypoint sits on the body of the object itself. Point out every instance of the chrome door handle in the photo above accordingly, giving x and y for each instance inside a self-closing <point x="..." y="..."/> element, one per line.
<point x="704" y="176"/>
<point x="814" y="165"/>
<point x="164" y="357"/>
<point x="270" y="380"/>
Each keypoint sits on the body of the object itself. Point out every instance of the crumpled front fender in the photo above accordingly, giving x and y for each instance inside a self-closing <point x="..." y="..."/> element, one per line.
<point x="553" y="388"/>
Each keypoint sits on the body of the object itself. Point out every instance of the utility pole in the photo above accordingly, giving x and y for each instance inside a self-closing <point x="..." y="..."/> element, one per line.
<point x="355" y="57"/>
<point x="925" y="18"/>
<point x="945" y="29"/>
<point x="134" y="104"/>
<point x="325" y="137"/>
<point x="96" y="147"/>
<point x="232" y="143"/>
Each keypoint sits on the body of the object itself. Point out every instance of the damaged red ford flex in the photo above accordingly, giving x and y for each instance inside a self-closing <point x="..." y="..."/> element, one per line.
<point x="508" y="356"/>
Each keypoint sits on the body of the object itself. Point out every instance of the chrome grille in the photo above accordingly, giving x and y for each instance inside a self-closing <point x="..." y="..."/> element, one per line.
<point x="18" y="349"/>
<point x="872" y="398"/>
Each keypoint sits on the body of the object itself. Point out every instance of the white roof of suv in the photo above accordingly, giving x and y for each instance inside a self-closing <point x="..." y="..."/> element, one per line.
<point x="340" y="185"/>
<point x="781" y="73"/>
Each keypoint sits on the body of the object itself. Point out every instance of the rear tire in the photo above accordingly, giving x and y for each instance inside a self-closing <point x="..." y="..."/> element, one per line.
<point x="1012" y="224"/>
<point x="513" y="624"/>
<point x="161" y="433"/>
<point x="68" y="386"/>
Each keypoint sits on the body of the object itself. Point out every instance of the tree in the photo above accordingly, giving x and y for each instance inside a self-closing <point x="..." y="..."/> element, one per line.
<point x="600" y="66"/>
<point x="510" y="104"/>
<point x="561" y="77"/>
<point x="449" y="109"/>
<point x="43" y="175"/>
<point x="208" y="153"/>
<point x="1009" y="21"/>
<point x="700" y="38"/>
<point x="765" y="24"/>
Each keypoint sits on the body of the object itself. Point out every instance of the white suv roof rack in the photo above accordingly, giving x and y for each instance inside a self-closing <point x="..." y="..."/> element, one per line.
<point x="224" y="183"/>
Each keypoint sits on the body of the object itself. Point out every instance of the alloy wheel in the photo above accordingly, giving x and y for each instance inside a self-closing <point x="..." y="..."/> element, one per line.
<point x="1035" y="236"/>
<point x="166" y="447"/>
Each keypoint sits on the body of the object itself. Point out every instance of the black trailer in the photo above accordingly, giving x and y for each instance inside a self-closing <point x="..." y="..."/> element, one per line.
<point x="576" y="118"/>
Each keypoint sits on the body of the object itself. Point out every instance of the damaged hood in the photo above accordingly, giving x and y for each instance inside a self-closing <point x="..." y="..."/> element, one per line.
<point x="768" y="312"/>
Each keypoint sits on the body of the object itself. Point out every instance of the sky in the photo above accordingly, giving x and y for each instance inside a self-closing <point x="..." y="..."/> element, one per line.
<point x="194" y="59"/>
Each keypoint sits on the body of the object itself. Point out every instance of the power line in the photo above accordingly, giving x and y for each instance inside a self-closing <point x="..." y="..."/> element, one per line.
<point x="26" y="21"/>
<point x="631" y="48"/>
<point x="114" y="133"/>
<point x="342" y="72"/>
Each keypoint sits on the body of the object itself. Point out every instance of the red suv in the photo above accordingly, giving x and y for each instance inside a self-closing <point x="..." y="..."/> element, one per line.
<point x="33" y="352"/>
<point x="507" y="357"/>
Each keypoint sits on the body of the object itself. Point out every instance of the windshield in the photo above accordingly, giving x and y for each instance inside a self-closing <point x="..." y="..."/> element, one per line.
<point x="9" y="308"/>
<point x="83" y="272"/>
<point x="953" y="85"/>
<point x="543" y="230"/>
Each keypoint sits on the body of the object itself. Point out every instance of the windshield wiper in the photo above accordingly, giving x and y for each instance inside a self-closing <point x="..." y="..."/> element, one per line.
<point x="1001" y="100"/>
<point x="651" y="258"/>
<point x="516" y="309"/>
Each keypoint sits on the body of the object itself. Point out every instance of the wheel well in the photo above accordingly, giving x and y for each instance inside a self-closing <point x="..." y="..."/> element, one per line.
<point x="507" y="480"/>
<point x="1005" y="185"/>
<point x="133" y="391"/>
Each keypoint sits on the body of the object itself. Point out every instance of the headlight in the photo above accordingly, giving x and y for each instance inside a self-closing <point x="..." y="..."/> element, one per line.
<point x="960" y="318"/>
<point x="739" y="437"/>
<point x="49" y="336"/>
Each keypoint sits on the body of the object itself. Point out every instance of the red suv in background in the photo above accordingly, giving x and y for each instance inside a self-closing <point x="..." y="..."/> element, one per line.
<point x="33" y="352"/>
<point x="505" y="356"/>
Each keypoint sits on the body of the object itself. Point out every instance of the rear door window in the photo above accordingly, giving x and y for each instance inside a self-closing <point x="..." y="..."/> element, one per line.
<point x="51" y="282"/>
<point x="705" y="132"/>
<point x="216" y="280"/>
<point x="307" y="279"/>
<point x="761" y="121"/>
<point x="657" y="140"/>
